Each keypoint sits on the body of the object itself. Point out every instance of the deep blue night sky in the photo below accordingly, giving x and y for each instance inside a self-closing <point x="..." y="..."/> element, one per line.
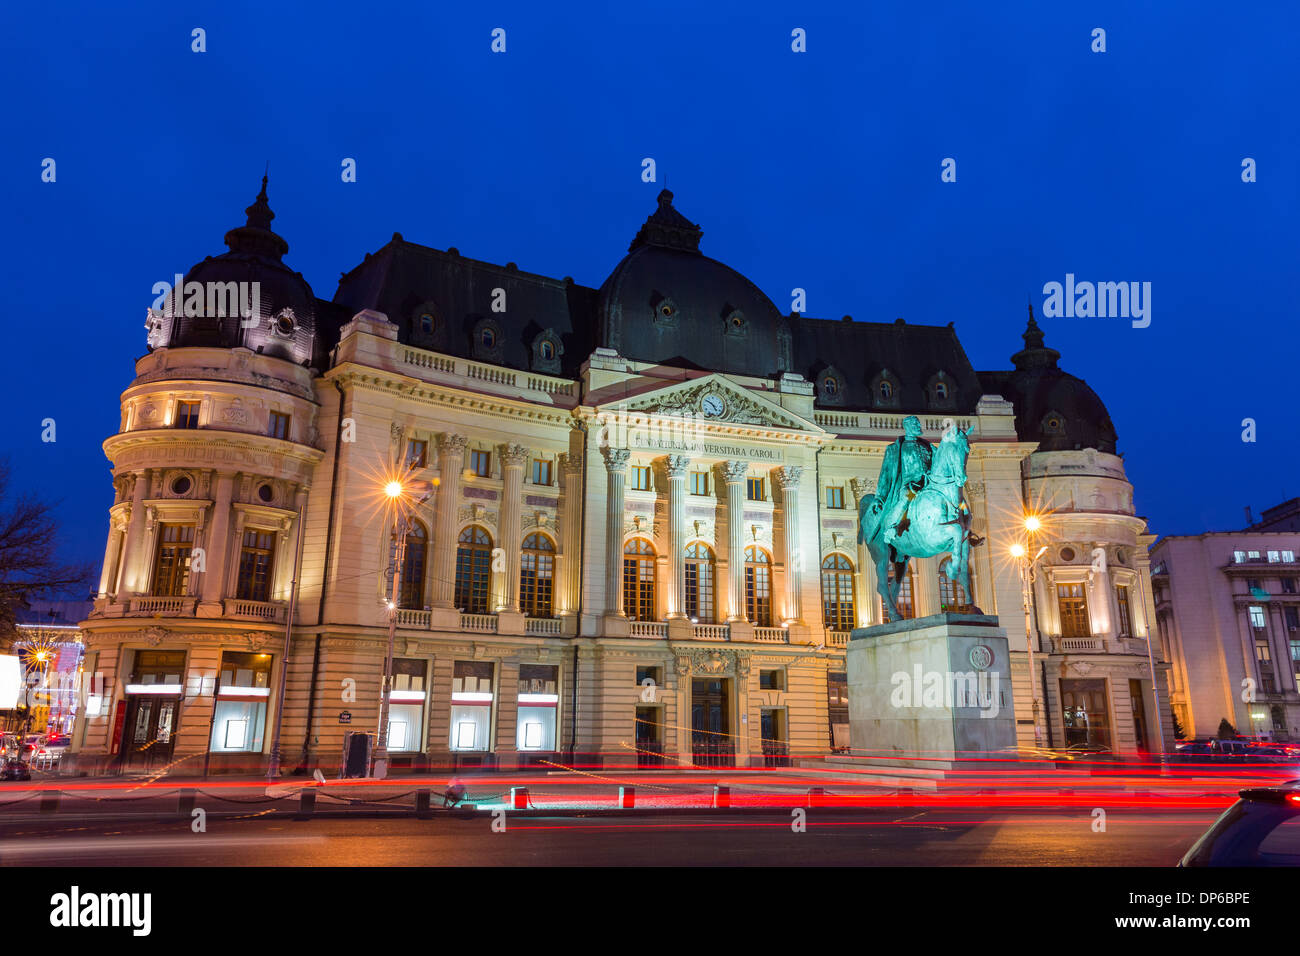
<point x="819" y="170"/>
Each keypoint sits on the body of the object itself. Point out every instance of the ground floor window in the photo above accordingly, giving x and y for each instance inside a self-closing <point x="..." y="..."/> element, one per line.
<point x="1086" y="712"/>
<point x="539" y="702"/>
<point x="406" y="705"/>
<point x="472" y="698"/>
<point x="837" y="706"/>
<point x="239" y="718"/>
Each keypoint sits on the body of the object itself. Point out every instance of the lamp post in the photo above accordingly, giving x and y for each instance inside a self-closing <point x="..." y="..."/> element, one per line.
<point x="396" y="493"/>
<point x="1021" y="551"/>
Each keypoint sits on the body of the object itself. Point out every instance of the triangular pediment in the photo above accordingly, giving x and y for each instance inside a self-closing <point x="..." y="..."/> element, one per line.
<point x="714" y="400"/>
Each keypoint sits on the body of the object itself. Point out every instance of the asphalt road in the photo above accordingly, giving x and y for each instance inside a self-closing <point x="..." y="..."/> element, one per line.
<point x="907" y="837"/>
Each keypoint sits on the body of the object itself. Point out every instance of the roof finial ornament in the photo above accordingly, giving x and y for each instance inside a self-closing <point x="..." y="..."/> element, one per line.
<point x="1035" y="353"/>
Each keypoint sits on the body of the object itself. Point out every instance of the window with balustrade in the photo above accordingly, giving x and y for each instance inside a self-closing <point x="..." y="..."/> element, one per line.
<point x="414" y="561"/>
<point x="473" y="570"/>
<point x="837" y="593"/>
<point x="1072" y="605"/>
<point x="171" y="567"/>
<point x="758" y="587"/>
<point x="256" y="557"/>
<point x="639" y="580"/>
<point x="537" y="576"/>
<point x="1125" y="628"/>
<point x="699" y="578"/>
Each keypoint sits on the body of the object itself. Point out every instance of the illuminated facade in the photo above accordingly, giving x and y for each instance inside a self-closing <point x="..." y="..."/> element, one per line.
<point x="640" y="537"/>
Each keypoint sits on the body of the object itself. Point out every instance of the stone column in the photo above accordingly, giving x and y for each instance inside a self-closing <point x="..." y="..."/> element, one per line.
<point x="733" y="474"/>
<point x="926" y="579"/>
<point x="788" y="479"/>
<point x="676" y="591"/>
<point x="512" y="465"/>
<point x="214" y="579"/>
<point x="118" y="520"/>
<point x="570" y="557"/>
<point x="134" y="579"/>
<point x="616" y="472"/>
<point x="866" y="600"/>
<point x="451" y="459"/>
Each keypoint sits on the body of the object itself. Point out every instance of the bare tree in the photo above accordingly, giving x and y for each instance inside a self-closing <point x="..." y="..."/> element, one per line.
<point x="29" y="567"/>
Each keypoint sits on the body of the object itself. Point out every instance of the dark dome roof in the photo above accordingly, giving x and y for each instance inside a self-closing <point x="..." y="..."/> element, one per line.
<point x="1054" y="408"/>
<point x="286" y="315"/>
<point x="667" y="302"/>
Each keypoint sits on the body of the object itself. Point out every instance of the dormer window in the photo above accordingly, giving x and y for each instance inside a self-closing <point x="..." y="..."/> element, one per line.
<point x="1054" y="423"/>
<point x="546" y="350"/>
<point x="488" y="338"/>
<point x="886" y="391"/>
<point x="426" y="323"/>
<point x="734" y="323"/>
<point x="830" y="386"/>
<point x="664" y="311"/>
<point x="940" y="390"/>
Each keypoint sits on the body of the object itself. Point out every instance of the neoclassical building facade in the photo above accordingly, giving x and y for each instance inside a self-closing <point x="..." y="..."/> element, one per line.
<point x="626" y="531"/>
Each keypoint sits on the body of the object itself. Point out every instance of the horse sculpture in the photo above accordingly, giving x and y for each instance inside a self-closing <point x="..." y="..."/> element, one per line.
<point x="937" y="521"/>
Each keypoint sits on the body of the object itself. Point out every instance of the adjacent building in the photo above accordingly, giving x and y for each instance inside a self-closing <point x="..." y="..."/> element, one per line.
<point x="1228" y="611"/>
<point x="627" y="522"/>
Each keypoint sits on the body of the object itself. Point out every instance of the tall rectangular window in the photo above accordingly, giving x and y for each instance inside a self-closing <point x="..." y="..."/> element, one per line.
<point x="1257" y="618"/>
<point x="406" y="705"/>
<point x="171" y="569"/>
<point x="699" y="482"/>
<point x="1125" y="628"/>
<point x="472" y="697"/>
<point x="754" y="489"/>
<point x="538" y="702"/>
<point x="187" y="414"/>
<point x="1072" y="601"/>
<point x="1288" y="557"/>
<point x="239" y="717"/>
<point x="640" y="478"/>
<point x="255" y="558"/>
<point x="1238" y="557"/>
<point x="834" y="497"/>
<point x="480" y="463"/>
<point x="417" y="454"/>
<point x="279" y="426"/>
<point x="1274" y="557"/>
<point x="541" y="472"/>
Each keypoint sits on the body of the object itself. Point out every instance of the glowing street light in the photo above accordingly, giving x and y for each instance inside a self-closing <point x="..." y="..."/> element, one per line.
<point x="393" y="489"/>
<point x="1019" y="551"/>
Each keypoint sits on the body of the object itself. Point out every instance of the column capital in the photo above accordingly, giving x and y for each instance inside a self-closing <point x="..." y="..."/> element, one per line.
<point x="733" y="471"/>
<point x="862" y="486"/>
<point x="676" y="465"/>
<point x="615" y="458"/>
<point x="449" y="444"/>
<point x="570" y="464"/>
<point x="513" y="456"/>
<point x="788" y="476"/>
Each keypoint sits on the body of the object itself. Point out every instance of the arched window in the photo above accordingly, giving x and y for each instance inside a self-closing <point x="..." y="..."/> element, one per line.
<point x="886" y="391"/>
<point x="758" y="587"/>
<point x="699" y="583"/>
<point x="837" y="593"/>
<point x="940" y="390"/>
<point x="546" y="350"/>
<point x="952" y="596"/>
<point x="639" y="580"/>
<point x="473" y="570"/>
<point x="537" y="576"/>
<point x="488" y="338"/>
<point x="906" y="606"/>
<point x="413" y="562"/>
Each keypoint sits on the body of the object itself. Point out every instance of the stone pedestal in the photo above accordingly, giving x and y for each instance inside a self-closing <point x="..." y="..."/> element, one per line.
<point x="934" y="688"/>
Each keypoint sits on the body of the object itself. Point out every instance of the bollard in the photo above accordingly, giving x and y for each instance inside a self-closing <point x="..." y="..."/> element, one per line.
<point x="519" y="798"/>
<point x="721" y="796"/>
<point x="185" y="803"/>
<point x="306" y="804"/>
<point x="422" y="804"/>
<point x="50" y="801"/>
<point x="627" y="797"/>
<point x="816" y="796"/>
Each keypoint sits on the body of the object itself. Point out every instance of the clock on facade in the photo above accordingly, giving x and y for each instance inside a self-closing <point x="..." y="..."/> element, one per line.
<point x="712" y="405"/>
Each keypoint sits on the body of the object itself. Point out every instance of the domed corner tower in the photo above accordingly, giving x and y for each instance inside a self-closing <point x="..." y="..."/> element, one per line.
<point x="215" y="454"/>
<point x="668" y="302"/>
<point x="1092" y="588"/>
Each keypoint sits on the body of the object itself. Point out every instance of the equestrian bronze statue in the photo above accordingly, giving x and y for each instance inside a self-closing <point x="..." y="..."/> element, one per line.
<point x="919" y="510"/>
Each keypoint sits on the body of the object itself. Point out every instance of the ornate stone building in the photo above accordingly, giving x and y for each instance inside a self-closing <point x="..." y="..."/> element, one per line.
<point x="638" y="540"/>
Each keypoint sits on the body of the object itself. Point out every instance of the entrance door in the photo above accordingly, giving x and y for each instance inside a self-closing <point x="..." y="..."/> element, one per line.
<point x="1139" y="714"/>
<point x="649" y="743"/>
<point x="149" y="731"/>
<point x="711" y="740"/>
<point x="775" y="749"/>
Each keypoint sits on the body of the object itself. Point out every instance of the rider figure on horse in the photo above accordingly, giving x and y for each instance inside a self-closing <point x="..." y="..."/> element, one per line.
<point x="902" y="476"/>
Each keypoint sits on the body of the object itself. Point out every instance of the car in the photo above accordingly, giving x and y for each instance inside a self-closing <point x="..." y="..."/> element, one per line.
<point x="10" y="745"/>
<point x="1261" y="829"/>
<point x="14" y="769"/>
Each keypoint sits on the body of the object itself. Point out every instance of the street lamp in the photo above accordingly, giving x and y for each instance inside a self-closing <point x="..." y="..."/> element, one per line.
<point x="396" y="493"/>
<point x="1027" y="559"/>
